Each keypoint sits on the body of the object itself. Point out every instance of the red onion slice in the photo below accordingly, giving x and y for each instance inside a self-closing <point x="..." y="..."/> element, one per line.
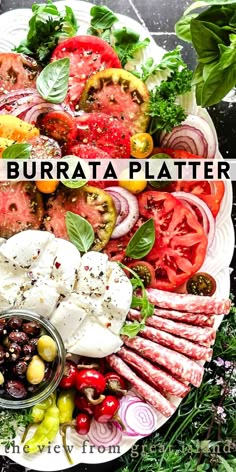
<point x="138" y="418"/>
<point x="208" y="221"/>
<point x="130" y="212"/>
<point x="194" y="135"/>
<point x="15" y="95"/>
<point x="116" y="201"/>
<point x="124" y="206"/>
<point x="32" y="115"/>
<point x="106" y="434"/>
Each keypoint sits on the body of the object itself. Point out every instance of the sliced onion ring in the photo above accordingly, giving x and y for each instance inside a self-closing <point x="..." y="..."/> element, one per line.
<point x="104" y="434"/>
<point x="194" y="135"/>
<point x="131" y="213"/>
<point x="208" y="221"/>
<point x="138" y="418"/>
<point x="124" y="206"/>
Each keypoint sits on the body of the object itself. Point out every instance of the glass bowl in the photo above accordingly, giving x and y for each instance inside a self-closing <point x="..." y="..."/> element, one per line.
<point x="57" y="366"/>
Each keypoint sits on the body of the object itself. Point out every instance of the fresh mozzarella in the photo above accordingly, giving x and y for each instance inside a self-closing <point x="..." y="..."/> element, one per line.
<point x="92" y="274"/>
<point x="23" y="249"/>
<point x="93" y="340"/>
<point x="68" y="317"/>
<point x="42" y="299"/>
<point x="117" y="299"/>
<point x="65" y="266"/>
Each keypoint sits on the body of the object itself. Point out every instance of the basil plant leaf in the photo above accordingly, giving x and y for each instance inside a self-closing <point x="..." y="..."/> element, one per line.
<point x="142" y="242"/>
<point x="52" y="83"/>
<point x="80" y="231"/>
<point x="17" y="151"/>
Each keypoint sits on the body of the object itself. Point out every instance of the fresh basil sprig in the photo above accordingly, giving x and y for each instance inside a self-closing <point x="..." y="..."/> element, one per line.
<point x="80" y="231"/>
<point x="17" y="151"/>
<point x="127" y="44"/>
<point x="142" y="241"/>
<point x="131" y="329"/>
<point x="101" y="22"/>
<point x="52" y="83"/>
<point x="172" y="60"/>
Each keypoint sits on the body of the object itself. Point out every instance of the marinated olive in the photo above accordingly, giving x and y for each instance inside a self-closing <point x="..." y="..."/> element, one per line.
<point x="2" y="326"/>
<point x="2" y="355"/>
<point x="47" y="348"/>
<point x="18" y="337"/>
<point x="14" y="323"/>
<point x="16" y="389"/>
<point x="6" y="341"/>
<point x="32" y="328"/>
<point x="13" y="353"/>
<point x="35" y="371"/>
<point x="1" y="378"/>
<point x="28" y="350"/>
<point x="33" y="342"/>
<point x="21" y="367"/>
<point x="32" y="388"/>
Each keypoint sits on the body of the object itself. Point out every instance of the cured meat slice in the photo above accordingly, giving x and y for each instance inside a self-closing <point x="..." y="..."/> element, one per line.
<point x="153" y="374"/>
<point x="191" y="303"/>
<point x="193" y="351"/>
<point x="176" y="363"/>
<point x="153" y="397"/>
<point x="189" y="318"/>
<point x="205" y="336"/>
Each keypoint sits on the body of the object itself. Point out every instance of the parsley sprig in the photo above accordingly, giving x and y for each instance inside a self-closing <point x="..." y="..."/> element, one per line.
<point x="141" y="302"/>
<point x="165" y="113"/>
<point x="10" y="421"/>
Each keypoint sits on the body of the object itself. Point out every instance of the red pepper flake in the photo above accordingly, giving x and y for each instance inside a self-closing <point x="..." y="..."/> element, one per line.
<point x="108" y="325"/>
<point x="107" y="287"/>
<point x="57" y="265"/>
<point x="116" y="281"/>
<point x="86" y="267"/>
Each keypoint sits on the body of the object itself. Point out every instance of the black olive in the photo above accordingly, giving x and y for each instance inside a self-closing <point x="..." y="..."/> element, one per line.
<point x="3" y="324"/>
<point x="2" y="355"/>
<point x="19" y="337"/>
<point x="32" y="328"/>
<point x="14" y="323"/>
<point x="33" y="342"/>
<point x="16" y="389"/>
<point x="20" y="367"/>
<point x="13" y="353"/>
<point x="28" y="350"/>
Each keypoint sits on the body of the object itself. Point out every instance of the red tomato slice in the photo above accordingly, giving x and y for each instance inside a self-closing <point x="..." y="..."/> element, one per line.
<point x="59" y="125"/>
<point x="115" y="249"/>
<point x="175" y="153"/>
<point x="17" y="71"/>
<point x="87" y="54"/>
<point x="105" y="132"/>
<point x="180" y="245"/>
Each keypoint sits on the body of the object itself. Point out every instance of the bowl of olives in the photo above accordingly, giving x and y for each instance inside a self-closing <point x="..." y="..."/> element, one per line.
<point x="32" y="359"/>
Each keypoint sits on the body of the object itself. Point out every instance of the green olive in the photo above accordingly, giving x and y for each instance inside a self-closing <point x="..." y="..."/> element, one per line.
<point x="35" y="371"/>
<point x="1" y="378"/>
<point x="47" y="348"/>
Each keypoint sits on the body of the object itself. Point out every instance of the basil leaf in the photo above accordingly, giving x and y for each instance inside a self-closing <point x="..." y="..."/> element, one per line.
<point x="182" y="27"/>
<point x="206" y="3"/>
<point x="142" y="242"/>
<point x="132" y="329"/>
<point x="52" y="83"/>
<point x="127" y="44"/>
<point x="102" y="17"/>
<point x="207" y="49"/>
<point x="218" y="84"/>
<point x="17" y="151"/>
<point x="80" y="231"/>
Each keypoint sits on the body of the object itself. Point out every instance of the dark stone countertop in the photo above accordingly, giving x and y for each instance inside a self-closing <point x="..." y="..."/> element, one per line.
<point x="159" y="17"/>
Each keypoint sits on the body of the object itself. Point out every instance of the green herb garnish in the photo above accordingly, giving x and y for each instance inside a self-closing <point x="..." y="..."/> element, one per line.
<point x="142" y="241"/>
<point x="10" y="421"/>
<point x="102" y="21"/>
<point x="163" y="109"/>
<point x="80" y="231"/>
<point x="131" y="329"/>
<point x="17" y="151"/>
<point x="171" y="60"/>
<point x="52" y="83"/>
<point x="127" y="44"/>
<point x="46" y="26"/>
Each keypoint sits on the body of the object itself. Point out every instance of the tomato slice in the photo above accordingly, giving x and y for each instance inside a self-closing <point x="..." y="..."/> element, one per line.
<point x="87" y="54"/>
<point x="21" y="208"/>
<point x="120" y="94"/>
<point x="44" y="148"/>
<point x="59" y="125"/>
<point x="180" y="245"/>
<point x="145" y="271"/>
<point x="210" y="192"/>
<point x="141" y="145"/>
<point x="17" y="71"/>
<point x="89" y="202"/>
<point x="175" y="153"/>
<point x="104" y="132"/>
<point x="202" y="284"/>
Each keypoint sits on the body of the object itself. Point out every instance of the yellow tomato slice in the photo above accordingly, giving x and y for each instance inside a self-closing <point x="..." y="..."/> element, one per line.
<point x="141" y="145"/>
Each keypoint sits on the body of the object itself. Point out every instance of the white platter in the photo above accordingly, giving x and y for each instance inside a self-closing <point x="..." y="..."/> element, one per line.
<point x="13" y="28"/>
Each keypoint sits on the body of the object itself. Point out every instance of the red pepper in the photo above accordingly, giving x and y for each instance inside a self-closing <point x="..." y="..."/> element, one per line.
<point x="83" y="404"/>
<point x="82" y="423"/>
<point x="91" y="382"/>
<point x="107" y="410"/>
<point x="115" y="383"/>
<point x="92" y="363"/>
<point x="70" y="372"/>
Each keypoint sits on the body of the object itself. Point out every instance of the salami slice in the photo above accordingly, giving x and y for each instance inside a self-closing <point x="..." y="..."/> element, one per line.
<point x="204" y="336"/>
<point x="178" y="364"/>
<point x="191" y="350"/>
<point x="153" y="375"/>
<point x="189" y="318"/>
<point x="153" y="397"/>
<point x="191" y="303"/>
